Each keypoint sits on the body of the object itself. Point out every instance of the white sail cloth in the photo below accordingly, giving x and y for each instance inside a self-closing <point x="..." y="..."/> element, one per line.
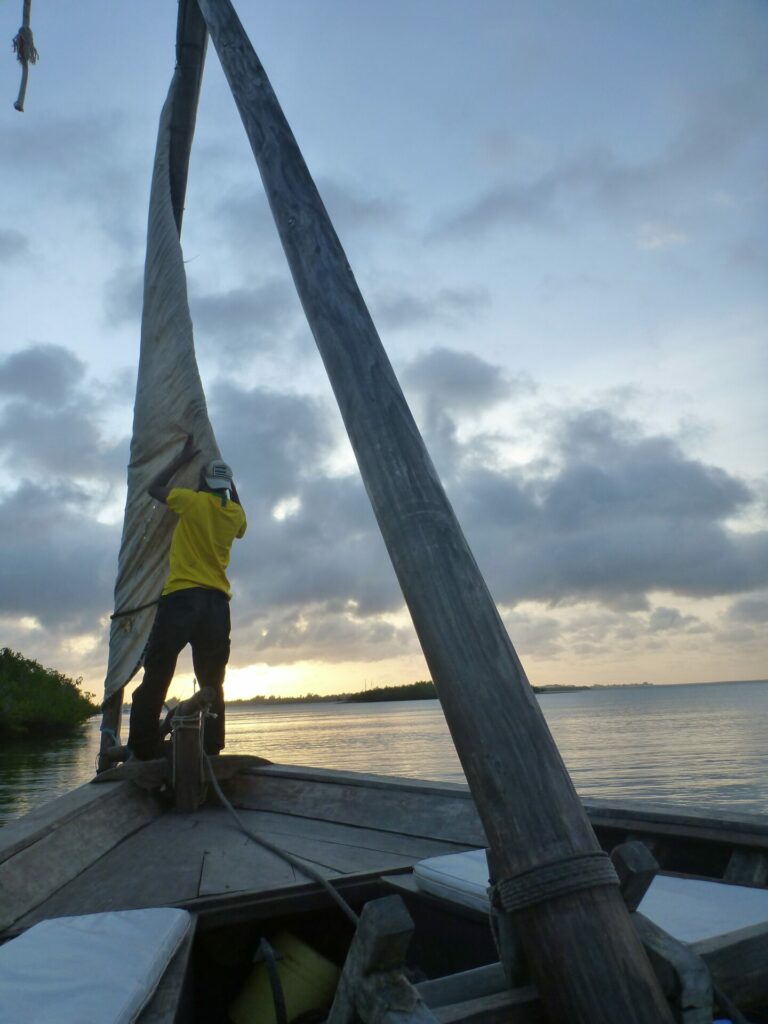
<point x="169" y="405"/>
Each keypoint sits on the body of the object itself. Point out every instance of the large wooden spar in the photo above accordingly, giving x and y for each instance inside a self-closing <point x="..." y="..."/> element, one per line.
<point x="582" y="949"/>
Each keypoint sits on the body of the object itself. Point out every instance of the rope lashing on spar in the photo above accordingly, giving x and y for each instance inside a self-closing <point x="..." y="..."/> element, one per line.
<point x="557" y="878"/>
<point x="26" y="54"/>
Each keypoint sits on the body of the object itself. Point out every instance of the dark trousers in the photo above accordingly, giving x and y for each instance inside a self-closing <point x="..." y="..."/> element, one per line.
<point x="195" y="616"/>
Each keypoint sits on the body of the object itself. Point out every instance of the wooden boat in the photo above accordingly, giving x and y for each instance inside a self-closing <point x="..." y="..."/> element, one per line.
<point x="114" y="845"/>
<point x="558" y="942"/>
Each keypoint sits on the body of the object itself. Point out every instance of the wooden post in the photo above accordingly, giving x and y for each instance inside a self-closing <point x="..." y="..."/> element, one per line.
<point x="372" y="986"/>
<point x="191" y="42"/>
<point x="188" y="770"/>
<point x="583" y="952"/>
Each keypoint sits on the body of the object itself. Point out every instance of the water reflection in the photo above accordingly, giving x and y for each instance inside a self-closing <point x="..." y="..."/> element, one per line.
<point x="695" y="745"/>
<point x="34" y="771"/>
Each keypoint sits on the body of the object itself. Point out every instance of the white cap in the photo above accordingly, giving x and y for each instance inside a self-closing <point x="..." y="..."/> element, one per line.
<point x="218" y="475"/>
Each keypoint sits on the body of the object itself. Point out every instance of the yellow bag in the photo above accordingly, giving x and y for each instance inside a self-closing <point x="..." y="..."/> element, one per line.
<point x="308" y="979"/>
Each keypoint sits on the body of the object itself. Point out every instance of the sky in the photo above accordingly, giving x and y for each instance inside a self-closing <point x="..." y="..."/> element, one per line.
<point x="557" y="215"/>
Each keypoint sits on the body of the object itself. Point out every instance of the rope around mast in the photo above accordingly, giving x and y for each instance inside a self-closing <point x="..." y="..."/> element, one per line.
<point x="26" y="54"/>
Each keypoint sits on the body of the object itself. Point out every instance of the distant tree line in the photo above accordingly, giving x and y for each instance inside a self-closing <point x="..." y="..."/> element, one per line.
<point x="39" y="701"/>
<point x="423" y="690"/>
<point x="409" y="691"/>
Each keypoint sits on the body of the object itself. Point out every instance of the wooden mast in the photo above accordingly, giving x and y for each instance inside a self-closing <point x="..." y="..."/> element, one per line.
<point x="191" y="43"/>
<point x="581" y="947"/>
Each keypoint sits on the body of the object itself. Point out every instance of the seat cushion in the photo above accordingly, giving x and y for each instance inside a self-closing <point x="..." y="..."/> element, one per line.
<point x="690" y="909"/>
<point x="94" y="969"/>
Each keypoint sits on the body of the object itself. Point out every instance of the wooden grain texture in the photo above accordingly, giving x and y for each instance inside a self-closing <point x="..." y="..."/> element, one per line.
<point x="164" y="1006"/>
<point x="191" y="42"/>
<point x="64" y="851"/>
<point x="636" y="867"/>
<point x="178" y="859"/>
<point x="371" y="986"/>
<point x="401" y="809"/>
<point x="682" y="973"/>
<point x="159" y="866"/>
<point x="525" y="798"/>
<point x="56" y="814"/>
<point x="738" y="963"/>
<point x="747" y="867"/>
<point x="519" y="1006"/>
<point x="279" y="826"/>
<point x="188" y="779"/>
<point x="697" y="823"/>
<point x="458" y="988"/>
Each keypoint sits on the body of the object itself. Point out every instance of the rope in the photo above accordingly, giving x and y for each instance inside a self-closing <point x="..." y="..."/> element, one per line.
<point x="133" y="611"/>
<point x="26" y="54"/>
<point x="304" y="868"/>
<point x="558" y="878"/>
<point x="266" y="953"/>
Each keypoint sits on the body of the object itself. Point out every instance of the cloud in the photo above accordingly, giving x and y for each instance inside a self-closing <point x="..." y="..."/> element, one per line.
<point x="50" y="423"/>
<point x="246" y="320"/>
<point x="613" y="517"/>
<point x="662" y="620"/>
<point x="45" y="374"/>
<point x="351" y="209"/>
<point x="715" y="129"/>
<point x="124" y="296"/>
<point x="57" y="562"/>
<point x="12" y="245"/>
<point x="652" y="236"/>
<point x="751" y="610"/>
<point x="461" y="381"/>
<point x="89" y="161"/>
<point x="449" y="306"/>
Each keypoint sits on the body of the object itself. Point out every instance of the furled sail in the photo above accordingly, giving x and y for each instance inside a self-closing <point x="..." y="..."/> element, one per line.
<point x="169" y="395"/>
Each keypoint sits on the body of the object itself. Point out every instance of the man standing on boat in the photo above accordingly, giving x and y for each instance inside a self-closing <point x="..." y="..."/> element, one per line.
<point x="194" y="606"/>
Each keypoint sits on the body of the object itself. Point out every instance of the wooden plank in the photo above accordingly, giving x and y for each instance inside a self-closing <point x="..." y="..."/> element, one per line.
<point x="327" y="845"/>
<point x="636" y="868"/>
<point x="747" y="867"/>
<point x="738" y="963"/>
<point x="372" y="986"/>
<point x="682" y="972"/>
<point x="519" y="1006"/>
<point x="167" y="1002"/>
<point x="365" y="780"/>
<point x="415" y="847"/>
<point x="61" y="854"/>
<point x="159" y="866"/>
<point x="458" y="988"/>
<point x="242" y="865"/>
<point x="40" y="821"/>
<point x="695" y="823"/>
<point x="402" y="809"/>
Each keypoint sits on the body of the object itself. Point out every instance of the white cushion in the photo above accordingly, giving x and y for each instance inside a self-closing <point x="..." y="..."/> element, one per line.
<point x="688" y="908"/>
<point x="94" y="969"/>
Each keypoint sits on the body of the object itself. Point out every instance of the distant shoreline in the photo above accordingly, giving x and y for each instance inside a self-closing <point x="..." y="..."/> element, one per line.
<point x="427" y="691"/>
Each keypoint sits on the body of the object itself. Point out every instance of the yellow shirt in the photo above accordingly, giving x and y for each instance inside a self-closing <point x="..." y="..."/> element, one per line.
<point x="202" y="540"/>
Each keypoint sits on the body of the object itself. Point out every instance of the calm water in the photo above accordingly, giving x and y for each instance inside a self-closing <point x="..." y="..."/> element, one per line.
<point x="703" y="745"/>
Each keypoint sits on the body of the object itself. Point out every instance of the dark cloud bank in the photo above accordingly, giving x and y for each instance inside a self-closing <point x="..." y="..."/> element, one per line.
<point x="612" y="515"/>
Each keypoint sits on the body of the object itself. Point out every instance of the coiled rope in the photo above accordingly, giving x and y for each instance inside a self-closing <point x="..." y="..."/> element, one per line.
<point x="26" y="54"/>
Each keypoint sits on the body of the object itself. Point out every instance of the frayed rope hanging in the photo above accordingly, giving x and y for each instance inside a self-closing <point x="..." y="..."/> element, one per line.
<point x="26" y="54"/>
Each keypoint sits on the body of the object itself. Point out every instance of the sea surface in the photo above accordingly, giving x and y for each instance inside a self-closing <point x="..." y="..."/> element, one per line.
<point x="704" y="745"/>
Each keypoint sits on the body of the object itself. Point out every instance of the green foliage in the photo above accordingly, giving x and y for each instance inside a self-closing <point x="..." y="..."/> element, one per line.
<point x="424" y="690"/>
<point x="39" y="701"/>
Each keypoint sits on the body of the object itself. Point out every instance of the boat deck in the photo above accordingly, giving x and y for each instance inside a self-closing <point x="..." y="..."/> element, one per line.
<point x="114" y="846"/>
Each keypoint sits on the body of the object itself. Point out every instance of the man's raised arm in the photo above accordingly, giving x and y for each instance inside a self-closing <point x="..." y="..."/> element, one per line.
<point x="158" y="487"/>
